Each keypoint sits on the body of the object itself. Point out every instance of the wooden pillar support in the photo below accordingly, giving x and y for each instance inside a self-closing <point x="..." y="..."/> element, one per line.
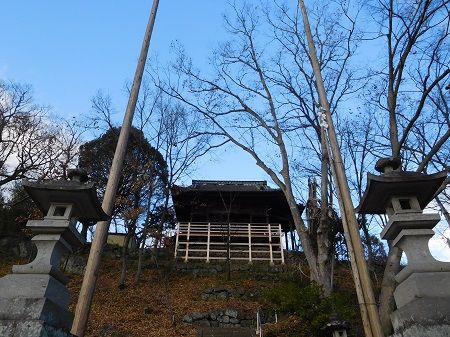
<point x="176" y="240"/>
<point x="281" y="243"/>
<point x="208" y="242"/>
<point x="186" y="256"/>
<point x="249" y="243"/>
<point x="269" y="227"/>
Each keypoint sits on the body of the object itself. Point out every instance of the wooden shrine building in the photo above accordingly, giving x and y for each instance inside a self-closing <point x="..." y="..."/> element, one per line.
<point x="236" y="220"/>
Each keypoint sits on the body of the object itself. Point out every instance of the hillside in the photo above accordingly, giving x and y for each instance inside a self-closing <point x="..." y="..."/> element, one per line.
<point x="173" y="301"/>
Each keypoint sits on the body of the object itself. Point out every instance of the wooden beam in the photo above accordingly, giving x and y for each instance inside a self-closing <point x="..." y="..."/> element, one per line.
<point x="86" y="295"/>
<point x="270" y="243"/>
<point x="186" y="257"/>
<point x="281" y="243"/>
<point x="249" y="243"/>
<point x="208" y="242"/>
<point x="176" y="241"/>
<point x="371" y="322"/>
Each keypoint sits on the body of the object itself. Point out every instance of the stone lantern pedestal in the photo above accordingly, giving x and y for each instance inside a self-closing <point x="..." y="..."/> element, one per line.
<point x="423" y="292"/>
<point x="34" y="299"/>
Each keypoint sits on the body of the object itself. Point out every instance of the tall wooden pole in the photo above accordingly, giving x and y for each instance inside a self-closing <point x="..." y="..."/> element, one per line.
<point x="92" y="268"/>
<point x="360" y="271"/>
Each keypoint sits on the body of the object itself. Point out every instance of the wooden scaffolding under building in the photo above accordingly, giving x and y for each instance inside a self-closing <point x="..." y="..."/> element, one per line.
<point x="231" y="220"/>
<point x="217" y="241"/>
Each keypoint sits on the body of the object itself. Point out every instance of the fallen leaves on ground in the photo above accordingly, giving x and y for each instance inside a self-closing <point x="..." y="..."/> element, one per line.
<point x="147" y="309"/>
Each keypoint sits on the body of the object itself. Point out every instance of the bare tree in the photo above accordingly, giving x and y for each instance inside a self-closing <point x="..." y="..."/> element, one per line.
<point x="360" y="151"/>
<point x="416" y="68"/>
<point x="262" y="97"/>
<point x="27" y="138"/>
<point x="68" y="140"/>
<point x="173" y="130"/>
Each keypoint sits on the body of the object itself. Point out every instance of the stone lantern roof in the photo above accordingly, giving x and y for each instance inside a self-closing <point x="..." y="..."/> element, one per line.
<point x="396" y="183"/>
<point x="335" y="324"/>
<point x="83" y="196"/>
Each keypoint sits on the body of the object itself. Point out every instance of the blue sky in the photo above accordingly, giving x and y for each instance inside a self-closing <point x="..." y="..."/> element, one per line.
<point x="68" y="50"/>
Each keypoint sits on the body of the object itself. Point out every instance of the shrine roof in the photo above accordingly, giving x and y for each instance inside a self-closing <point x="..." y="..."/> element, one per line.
<point x="208" y="194"/>
<point x="214" y="188"/>
<point x="229" y="185"/>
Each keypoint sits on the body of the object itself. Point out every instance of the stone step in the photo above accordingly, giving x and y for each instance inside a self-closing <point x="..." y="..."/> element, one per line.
<point x="226" y="332"/>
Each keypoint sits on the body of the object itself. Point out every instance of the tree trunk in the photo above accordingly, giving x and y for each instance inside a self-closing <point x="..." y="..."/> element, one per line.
<point x="141" y="248"/>
<point x="302" y="231"/>
<point x="123" y="272"/>
<point x="141" y="252"/>
<point x="155" y="248"/>
<point x="387" y="303"/>
<point x="367" y="240"/>
<point x="161" y="225"/>
<point x="125" y="251"/>
<point x="143" y="240"/>
<point x="323" y="232"/>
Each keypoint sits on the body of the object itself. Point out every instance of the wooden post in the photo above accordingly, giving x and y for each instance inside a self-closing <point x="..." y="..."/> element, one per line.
<point x="93" y="265"/>
<point x="176" y="240"/>
<point x="208" y="242"/>
<point x="258" y="324"/>
<point x="359" y="292"/>
<point x="186" y="256"/>
<point x="281" y="243"/>
<point x="270" y="243"/>
<point x="229" y="242"/>
<point x="249" y="243"/>
<point x="367" y="303"/>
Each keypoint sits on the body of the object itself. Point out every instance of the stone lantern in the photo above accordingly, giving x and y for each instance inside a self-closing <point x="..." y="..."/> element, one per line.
<point x="423" y="292"/>
<point x="335" y="328"/>
<point x="34" y="299"/>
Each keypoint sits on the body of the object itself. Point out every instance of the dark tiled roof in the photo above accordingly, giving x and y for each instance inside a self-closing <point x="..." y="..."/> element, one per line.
<point x="255" y="197"/>
<point x="229" y="185"/>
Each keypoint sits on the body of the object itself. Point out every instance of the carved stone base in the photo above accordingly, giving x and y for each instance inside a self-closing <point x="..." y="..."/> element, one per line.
<point x="33" y="305"/>
<point x="34" y="286"/>
<point x="431" y="285"/>
<point x="30" y="329"/>
<point x="32" y="317"/>
<point x="423" y="317"/>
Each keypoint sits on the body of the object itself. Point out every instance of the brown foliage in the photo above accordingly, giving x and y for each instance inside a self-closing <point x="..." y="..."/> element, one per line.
<point x="123" y="311"/>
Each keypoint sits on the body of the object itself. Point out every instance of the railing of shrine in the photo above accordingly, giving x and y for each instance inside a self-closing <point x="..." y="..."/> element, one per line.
<point x="235" y="241"/>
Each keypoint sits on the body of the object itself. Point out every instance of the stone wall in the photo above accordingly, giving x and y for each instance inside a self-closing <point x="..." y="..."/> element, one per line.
<point x="224" y="293"/>
<point x="295" y="262"/>
<point x="265" y="270"/>
<point x="75" y="264"/>
<point x="221" y="318"/>
<point x="226" y="332"/>
<point x="16" y="246"/>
